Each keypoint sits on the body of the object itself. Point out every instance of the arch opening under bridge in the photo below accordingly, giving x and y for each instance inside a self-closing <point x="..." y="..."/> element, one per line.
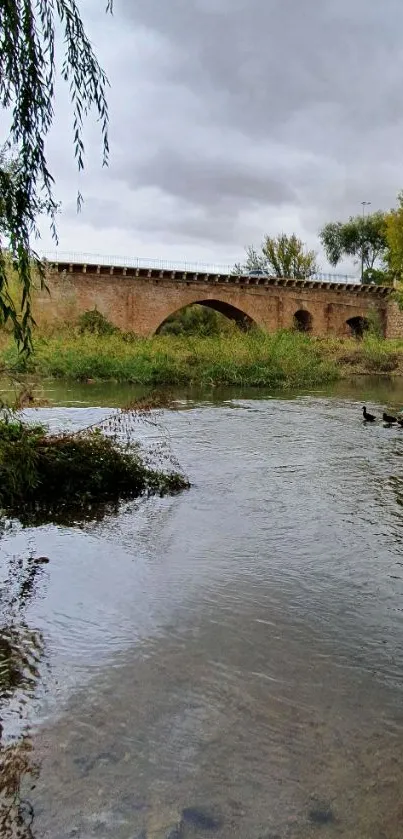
<point x="358" y="326"/>
<point x="242" y="320"/>
<point x="303" y="321"/>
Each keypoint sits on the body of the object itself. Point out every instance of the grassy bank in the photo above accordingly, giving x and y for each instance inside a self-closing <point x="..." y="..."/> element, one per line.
<point x="283" y="359"/>
<point x="237" y="359"/>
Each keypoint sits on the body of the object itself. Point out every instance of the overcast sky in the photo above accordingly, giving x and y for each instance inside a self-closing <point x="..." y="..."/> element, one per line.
<point x="230" y="119"/>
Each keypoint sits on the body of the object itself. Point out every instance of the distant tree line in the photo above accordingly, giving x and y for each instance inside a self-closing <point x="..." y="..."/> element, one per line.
<point x="374" y="242"/>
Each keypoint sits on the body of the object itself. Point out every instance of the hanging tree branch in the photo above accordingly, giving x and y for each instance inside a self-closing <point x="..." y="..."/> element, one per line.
<point x="27" y="80"/>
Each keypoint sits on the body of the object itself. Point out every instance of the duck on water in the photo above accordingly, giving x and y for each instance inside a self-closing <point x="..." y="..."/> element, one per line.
<point x="388" y="419"/>
<point x="368" y="417"/>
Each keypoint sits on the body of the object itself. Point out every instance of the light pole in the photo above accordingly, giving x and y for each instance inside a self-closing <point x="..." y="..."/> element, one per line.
<point x="363" y="204"/>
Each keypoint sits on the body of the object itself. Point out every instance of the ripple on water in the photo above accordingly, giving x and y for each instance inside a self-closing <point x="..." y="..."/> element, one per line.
<point x="234" y="653"/>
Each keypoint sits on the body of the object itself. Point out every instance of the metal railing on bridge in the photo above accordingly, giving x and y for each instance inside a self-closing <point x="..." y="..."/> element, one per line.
<point x="173" y="265"/>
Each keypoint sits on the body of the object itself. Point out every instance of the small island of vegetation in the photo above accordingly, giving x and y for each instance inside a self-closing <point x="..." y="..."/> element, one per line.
<point x="68" y="476"/>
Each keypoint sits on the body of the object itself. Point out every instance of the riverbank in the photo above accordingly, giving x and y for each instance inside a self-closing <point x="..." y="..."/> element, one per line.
<point x="283" y="359"/>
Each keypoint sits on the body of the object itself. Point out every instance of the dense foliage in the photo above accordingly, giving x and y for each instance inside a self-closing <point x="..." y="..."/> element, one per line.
<point x="94" y="322"/>
<point x="196" y="320"/>
<point x="52" y="475"/>
<point x="364" y="239"/>
<point x="394" y="237"/>
<point x="280" y="359"/>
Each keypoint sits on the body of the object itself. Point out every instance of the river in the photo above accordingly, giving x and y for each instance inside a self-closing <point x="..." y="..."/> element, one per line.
<point x="227" y="662"/>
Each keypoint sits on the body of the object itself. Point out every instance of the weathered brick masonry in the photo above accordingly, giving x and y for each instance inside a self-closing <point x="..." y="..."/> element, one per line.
<point x="140" y="299"/>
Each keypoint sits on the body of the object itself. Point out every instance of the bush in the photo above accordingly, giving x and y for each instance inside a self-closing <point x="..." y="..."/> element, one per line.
<point x="377" y="356"/>
<point x="52" y="475"/>
<point x="375" y="326"/>
<point x="96" y="323"/>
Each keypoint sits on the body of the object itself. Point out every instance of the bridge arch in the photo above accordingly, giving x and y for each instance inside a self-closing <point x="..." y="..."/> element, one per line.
<point x="241" y="318"/>
<point x="303" y="320"/>
<point x="357" y="326"/>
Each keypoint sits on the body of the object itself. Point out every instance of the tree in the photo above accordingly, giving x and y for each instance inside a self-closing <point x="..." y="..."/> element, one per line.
<point x="282" y="256"/>
<point x="394" y="237"/>
<point x="363" y="238"/>
<point x="27" y="79"/>
<point x="10" y="170"/>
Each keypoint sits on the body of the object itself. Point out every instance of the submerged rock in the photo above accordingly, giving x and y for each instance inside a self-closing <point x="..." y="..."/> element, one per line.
<point x="200" y="818"/>
<point x="321" y="815"/>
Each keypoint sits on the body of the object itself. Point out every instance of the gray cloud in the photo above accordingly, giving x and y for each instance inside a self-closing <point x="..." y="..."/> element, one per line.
<point x="232" y="118"/>
<point x="262" y="61"/>
<point x="212" y="180"/>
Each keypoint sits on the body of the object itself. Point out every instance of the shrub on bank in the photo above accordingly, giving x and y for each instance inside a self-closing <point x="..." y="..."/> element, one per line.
<point x="50" y="475"/>
<point x="369" y="355"/>
<point x="95" y="323"/>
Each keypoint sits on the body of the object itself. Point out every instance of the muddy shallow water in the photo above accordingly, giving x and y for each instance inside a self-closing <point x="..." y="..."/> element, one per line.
<point x="227" y="662"/>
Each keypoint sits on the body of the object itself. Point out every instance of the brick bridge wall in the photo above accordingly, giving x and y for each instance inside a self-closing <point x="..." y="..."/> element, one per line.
<point x="140" y="299"/>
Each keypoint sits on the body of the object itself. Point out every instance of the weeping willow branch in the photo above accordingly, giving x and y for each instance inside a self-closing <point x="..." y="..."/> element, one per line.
<point x="27" y="84"/>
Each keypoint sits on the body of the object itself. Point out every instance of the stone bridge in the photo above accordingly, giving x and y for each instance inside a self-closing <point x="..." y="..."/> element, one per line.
<point x="141" y="299"/>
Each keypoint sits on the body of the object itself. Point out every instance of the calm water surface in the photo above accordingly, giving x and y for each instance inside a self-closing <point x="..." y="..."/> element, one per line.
<point x="227" y="662"/>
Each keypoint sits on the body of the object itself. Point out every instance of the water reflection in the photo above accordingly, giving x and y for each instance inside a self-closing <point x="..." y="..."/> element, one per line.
<point x="382" y="390"/>
<point x="21" y="650"/>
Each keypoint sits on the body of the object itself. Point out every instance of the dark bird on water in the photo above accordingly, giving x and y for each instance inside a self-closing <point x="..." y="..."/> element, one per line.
<point x="388" y="418"/>
<point x="368" y="417"/>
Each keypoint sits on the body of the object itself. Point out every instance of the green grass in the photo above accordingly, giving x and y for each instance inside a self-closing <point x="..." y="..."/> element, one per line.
<point x="283" y="359"/>
<point x="371" y="355"/>
<point x="256" y="359"/>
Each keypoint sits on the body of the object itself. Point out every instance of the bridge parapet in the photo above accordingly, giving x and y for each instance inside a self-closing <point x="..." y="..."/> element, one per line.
<point x="185" y="276"/>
